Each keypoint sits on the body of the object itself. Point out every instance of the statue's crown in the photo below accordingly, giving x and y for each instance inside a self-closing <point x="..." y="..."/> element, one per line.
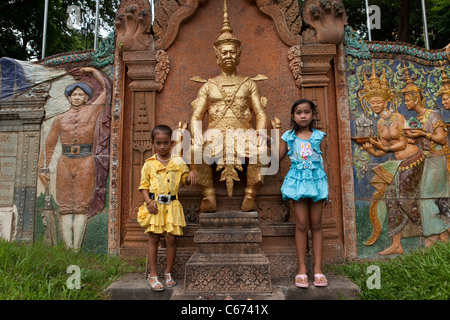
<point x="445" y="84"/>
<point x="410" y="86"/>
<point x="374" y="87"/>
<point x="226" y="33"/>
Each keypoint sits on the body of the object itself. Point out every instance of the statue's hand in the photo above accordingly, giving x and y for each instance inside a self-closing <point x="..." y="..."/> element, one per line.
<point x="367" y="146"/>
<point x="377" y="143"/>
<point x="198" y="140"/>
<point x="276" y="123"/>
<point x="86" y="70"/>
<point x="416" y="133"/>
<point x="45" y="179"/>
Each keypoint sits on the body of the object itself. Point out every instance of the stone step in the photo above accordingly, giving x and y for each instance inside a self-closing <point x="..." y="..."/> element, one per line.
<point x="135" y="287"/>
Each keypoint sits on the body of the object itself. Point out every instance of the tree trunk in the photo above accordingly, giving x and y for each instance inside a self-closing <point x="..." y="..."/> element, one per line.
<point x="403" y="28"/>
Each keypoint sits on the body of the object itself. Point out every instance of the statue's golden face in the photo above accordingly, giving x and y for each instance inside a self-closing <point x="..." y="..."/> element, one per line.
<point x="378" y="104"/>
<point x="228" y="55"/>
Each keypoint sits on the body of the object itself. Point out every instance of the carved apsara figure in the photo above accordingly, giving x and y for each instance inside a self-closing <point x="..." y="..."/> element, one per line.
<point x="230" y="100"/>
<point x="80" y="133"/>
<point x="397" y="182"/>
<point x="434" y="141"/>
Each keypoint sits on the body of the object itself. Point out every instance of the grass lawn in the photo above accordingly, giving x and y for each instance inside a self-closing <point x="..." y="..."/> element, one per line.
<point x="37" y="272"/>
<point x="418" y="275"/>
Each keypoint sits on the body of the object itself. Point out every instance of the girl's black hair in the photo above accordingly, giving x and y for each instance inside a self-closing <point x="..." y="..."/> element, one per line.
<point x="163" y="129"/>
<point x="313" y="123"/>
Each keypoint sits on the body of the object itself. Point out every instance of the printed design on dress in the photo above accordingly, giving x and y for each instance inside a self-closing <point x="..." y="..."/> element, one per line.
<point x="305" y="151"/>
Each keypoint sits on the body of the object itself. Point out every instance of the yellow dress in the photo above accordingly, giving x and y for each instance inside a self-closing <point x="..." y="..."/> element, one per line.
<point x="160" y="179"/>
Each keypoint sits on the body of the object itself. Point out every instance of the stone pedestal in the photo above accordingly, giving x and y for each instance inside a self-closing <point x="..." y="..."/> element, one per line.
<point x="228" y="256"/>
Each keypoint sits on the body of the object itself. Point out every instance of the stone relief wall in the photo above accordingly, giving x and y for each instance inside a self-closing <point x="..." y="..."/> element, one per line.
<point x="383" y="178"/>
<point x="401" y="180"/>
<point x="33" y="96"/>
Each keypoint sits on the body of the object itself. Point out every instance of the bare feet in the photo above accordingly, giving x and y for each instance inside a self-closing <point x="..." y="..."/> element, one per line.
<point x="393" y="249"/>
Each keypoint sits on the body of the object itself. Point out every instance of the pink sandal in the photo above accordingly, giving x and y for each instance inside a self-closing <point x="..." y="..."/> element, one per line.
<point x="304" y="281"/>
<point x="319" y="278"/>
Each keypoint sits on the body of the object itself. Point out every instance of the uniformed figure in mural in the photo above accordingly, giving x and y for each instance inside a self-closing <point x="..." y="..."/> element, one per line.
<point x="79" y="170"/>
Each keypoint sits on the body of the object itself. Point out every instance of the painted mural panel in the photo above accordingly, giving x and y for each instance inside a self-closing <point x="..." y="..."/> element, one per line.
<point x="401" y="158"/>
<point x="69" y="199"/>
<point x="74" y="159"/>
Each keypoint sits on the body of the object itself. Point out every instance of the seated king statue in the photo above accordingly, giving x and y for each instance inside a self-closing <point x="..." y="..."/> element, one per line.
<point x="231" y="101"/>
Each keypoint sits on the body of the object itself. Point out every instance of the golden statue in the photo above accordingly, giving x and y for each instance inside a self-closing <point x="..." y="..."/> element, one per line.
<point x="230" y="101"/>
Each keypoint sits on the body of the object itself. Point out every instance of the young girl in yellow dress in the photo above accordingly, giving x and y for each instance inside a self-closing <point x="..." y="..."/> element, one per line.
<point x="162" y="213"/>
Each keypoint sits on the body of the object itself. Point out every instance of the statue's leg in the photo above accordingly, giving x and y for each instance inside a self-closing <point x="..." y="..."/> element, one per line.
<point x="79" y="229"/>
<point x="83" y="192"/>
<point x="65" y="200"/>
<point x="66" y="227"/>
<point x="205" y="182"/>
<point x="254" y="181"/>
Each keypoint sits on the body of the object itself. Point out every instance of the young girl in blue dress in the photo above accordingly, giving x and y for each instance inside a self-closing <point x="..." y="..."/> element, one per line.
<point x="306" y="184"/>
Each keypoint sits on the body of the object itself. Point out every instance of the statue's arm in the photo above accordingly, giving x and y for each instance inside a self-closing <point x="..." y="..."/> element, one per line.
<point x="49" y="147"/>
<point x="258" y="109"/>
<point x="200" y="105"/>
<point x="101" y="100"/>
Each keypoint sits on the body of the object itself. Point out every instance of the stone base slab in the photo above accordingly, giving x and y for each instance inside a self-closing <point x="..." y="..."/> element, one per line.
<point x="227" y="273"/>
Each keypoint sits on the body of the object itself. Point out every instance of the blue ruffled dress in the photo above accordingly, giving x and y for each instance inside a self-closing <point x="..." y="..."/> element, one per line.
<point x="306" y="177"/>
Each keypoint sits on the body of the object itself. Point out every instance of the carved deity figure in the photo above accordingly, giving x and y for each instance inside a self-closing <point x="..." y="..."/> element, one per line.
<point x="76" y="169"/>
<point x="397" y="182"/>
<point x="434" y="141"/>
<point x="231" y="101"/>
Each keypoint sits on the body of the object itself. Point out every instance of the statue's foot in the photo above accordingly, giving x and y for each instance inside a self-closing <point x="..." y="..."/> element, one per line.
<point x="393" y="249"/>
<point x="248" y="204"/>
<point x="208" y="204"/>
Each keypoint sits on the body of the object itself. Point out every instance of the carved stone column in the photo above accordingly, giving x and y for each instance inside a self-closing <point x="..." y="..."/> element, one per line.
<point x="140" y="71"/>
<point x="316" y="60"/>
<point x="140" y="66"/>
<point x="20" y="124"/>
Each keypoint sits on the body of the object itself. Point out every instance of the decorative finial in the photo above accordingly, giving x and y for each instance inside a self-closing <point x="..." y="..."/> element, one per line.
<point x="410" y="86"/>
<point x="226" y="27"/>
<point x="445" y="84"/>
<point x="226" y="33"/>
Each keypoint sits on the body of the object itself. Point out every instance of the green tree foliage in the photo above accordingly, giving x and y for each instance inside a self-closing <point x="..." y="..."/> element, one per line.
<point x="438" y="18"/>
<point x="21" y="26"/>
